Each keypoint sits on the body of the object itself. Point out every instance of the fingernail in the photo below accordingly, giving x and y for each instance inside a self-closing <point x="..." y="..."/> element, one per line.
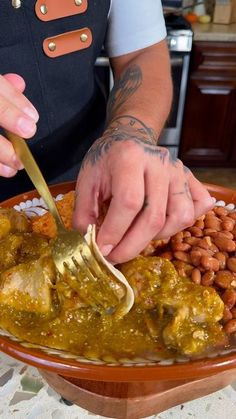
<point x="26" y="125"/>
<point x="32" y="113"/>
<point x="17" y="163"/>
<point x="7" y="171"/>
<point x="106" y="249"/>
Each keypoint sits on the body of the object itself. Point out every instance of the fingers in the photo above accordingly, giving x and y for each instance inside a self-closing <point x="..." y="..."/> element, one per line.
<point x="127" y="200"/>
<point x="16" y="80"/>
<point x="180" y="207"/>
<point x="188" y="200"/>
<point x="147" y="224"/>
<point x="8" y="159"/>
<point x="173" y="200"/>
<point x="7" y="171"/>
<point x="202" y="200"/>
<point x="17" y="114"/>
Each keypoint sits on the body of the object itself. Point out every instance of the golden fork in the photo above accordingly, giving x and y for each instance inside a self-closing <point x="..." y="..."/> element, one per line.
<point x="70" y="251"/>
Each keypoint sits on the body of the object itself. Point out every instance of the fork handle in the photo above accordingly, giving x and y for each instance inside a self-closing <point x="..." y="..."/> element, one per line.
<point x="23" y="152"/>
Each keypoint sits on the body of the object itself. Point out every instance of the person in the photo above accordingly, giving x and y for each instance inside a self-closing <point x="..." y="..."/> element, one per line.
<point x="49" y="96"/>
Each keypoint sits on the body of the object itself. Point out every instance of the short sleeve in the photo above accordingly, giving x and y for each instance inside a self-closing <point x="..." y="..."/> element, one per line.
<point x="133" y="25"/>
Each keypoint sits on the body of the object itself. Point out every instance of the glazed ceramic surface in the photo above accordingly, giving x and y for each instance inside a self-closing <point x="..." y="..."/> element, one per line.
<point x="143" y="369"/>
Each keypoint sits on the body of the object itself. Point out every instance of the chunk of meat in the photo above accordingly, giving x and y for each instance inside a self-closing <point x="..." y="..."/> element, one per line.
<point x="150" y="277"/>
<point x="27" y="286"/>
<point x="17" y="248"/>
<point x="12" y="221"/>
<point x="191" y="338"/>
<point x="9" y="248"/>
<point x="189" y="313"/>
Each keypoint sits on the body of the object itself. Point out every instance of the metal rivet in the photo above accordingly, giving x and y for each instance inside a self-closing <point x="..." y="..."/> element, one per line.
<point x="16" y="4"/>
<point x="43" y="9"/>
<point x="84" y="37"/>
<point x="52" y="46"/>
<point x="78" y="2"/>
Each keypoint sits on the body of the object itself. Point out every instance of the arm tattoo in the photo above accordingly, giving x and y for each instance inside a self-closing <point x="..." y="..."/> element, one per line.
<point x="186" y="191"/>
<point x="125" y="128"/>
<point x="138" y="124"/>
<point x="123" y="88"/>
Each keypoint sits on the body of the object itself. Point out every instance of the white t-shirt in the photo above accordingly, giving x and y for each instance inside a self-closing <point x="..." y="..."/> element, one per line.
<point x="134" y="24"/>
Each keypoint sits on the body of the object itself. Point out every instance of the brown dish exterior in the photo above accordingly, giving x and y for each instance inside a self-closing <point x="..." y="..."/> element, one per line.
<point x="139" y="371"/>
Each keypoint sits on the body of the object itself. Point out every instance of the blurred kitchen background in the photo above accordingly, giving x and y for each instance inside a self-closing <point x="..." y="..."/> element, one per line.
<point x="201" y="129"/>
<point x="206" y="136"/>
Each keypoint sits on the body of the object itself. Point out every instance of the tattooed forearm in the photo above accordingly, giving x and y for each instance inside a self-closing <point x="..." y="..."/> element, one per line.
<point x="123" y="88"/>
<point x="139" y="125"/>
<point x="125" y="128"/>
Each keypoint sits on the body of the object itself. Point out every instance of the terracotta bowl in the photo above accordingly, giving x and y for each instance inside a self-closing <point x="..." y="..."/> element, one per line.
<point x="70" y="365"/>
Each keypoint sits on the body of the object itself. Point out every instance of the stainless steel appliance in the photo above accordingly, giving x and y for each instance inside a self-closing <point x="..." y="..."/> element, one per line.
<point x="179" y="39"/>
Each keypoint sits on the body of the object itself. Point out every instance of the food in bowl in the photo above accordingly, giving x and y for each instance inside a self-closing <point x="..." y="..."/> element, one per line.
<point x="171" y="314"/>
<point x="206" y="253"/>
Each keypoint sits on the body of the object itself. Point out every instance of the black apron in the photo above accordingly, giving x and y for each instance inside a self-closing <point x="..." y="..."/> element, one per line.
<point x="63" y="89"/>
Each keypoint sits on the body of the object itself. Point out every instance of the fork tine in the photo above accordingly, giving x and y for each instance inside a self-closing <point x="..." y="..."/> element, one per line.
<point x="93" y="265"/>
<point x="91" y="261"/>
<point x="75" y="269"/>
<point x="94" y="284"/>
<point x="101" y="274"/>
<point x="83" y="268"/>
<point x="105" y="293"/>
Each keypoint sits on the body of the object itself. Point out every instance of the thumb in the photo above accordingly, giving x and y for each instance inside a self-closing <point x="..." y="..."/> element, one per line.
<point x="16" y="80"/>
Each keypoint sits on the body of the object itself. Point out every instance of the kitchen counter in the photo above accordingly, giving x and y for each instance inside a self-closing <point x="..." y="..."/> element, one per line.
<point x="214" y="32"/>
<point x="24" y="394"/>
